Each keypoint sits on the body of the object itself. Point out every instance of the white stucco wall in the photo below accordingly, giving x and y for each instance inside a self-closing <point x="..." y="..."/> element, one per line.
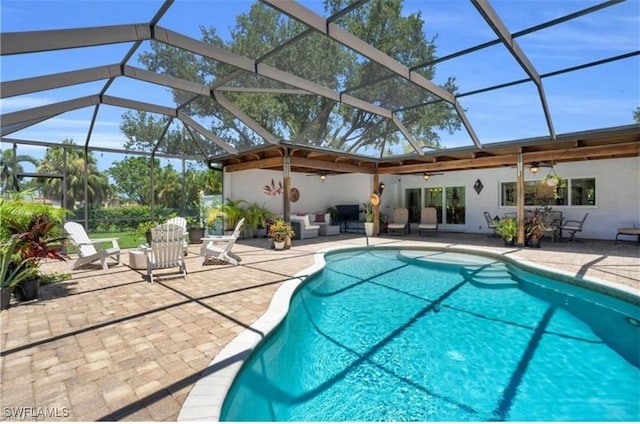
<point x="315" y="195"/>
<point x="617" y="192"/>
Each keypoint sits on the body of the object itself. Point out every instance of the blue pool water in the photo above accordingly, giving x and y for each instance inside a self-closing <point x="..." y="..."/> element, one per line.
<point x="388" y="335"/>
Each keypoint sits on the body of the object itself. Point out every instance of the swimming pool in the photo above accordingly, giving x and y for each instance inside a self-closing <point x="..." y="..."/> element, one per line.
<point x="415" y="335"/>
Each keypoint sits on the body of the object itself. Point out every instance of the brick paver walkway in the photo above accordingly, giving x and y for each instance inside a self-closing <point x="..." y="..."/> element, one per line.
<point x="111" y="346"/>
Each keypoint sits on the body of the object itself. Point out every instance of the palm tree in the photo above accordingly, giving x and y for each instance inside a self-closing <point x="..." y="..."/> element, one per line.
<point x="98" y="187"/>
<point x="168" y="186"/>
<point x="10" y="167"/>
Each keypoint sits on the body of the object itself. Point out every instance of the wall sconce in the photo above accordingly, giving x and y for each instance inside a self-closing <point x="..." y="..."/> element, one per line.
<point x="534" y="167"/>
<point x="323" y="176"/>
<point x="380" y="189"/>
<point x="426" y="176"/>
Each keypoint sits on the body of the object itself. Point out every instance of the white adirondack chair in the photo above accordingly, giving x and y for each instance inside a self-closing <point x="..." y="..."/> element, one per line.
<point x="91" y="250"/>
<point x="182" y="222"/>
<point x="219" y="247"/>
<point x="166" y="249"/>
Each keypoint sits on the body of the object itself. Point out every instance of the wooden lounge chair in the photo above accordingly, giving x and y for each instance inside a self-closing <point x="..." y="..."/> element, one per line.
<point x="91" y="250"/>
<point x="219" y="247"/>
<point x="166" y="249"/>
<point x="428" y="220"/>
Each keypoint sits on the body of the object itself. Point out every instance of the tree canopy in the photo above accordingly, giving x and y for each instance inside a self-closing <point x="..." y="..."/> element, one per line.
<point x="307" y="118"/>
<point x="55" y="162"/>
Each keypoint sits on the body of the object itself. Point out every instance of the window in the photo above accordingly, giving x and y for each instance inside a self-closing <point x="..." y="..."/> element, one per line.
<point x="536" y="193"/>
<point x="455" y="203"/>
<point x="433" y="199"/>
<point x="413" y="201"/>
<point x="583" y="191"/>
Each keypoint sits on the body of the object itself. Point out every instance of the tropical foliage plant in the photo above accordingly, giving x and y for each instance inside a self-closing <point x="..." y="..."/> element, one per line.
<point x="280" y="230"/>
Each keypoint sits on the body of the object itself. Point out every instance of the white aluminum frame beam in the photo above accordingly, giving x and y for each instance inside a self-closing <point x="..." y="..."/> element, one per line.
<point x="48" y="111"/>
<point x="37" y="41"/>
<point x="62" y="79"/>
<point x="137" y="105"/>
<point x="244" y="118"/>
<point x="58" y="39"/>
<point x="493" y="20"/>
<point x="308" y="17"/>
<point x="187" y="120"/>
<point x="165" y="80"/>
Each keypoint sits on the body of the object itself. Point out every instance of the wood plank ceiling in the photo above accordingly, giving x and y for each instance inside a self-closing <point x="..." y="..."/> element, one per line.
<point x="613" y="143"/>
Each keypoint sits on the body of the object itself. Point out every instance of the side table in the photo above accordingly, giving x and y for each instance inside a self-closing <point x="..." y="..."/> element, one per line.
<point x="137" y="259"/>
<point x="329" y="230"/>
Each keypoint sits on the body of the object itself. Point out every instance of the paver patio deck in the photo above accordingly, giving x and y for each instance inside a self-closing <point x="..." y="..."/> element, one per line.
<point x="111" y="346"/>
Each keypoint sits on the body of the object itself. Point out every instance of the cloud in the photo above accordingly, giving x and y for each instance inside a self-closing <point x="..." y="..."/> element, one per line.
<point x="583" y="37"/>
<point x="23" y="102"/>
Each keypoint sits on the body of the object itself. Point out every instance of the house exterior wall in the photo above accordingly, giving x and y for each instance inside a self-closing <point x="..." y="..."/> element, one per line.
<point x="617" y="192"/>
<point x="315" y="195"/>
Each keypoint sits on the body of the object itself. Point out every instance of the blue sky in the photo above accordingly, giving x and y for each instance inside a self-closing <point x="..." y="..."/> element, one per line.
<point x="589" y="99"/>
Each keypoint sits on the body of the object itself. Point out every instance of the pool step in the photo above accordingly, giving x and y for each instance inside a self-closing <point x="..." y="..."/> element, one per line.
<point x="494" y="276"/>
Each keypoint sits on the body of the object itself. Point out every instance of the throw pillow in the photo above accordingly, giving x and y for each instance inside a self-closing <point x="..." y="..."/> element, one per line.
<point x="319" y="217"/>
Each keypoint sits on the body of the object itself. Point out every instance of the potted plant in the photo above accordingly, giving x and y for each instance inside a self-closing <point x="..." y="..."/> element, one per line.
<point x="13" y="270"/>
<point x="144" y="230"/>
<point x="507" y="228"/>
<point x="195" y="224"/>
<point x="534" y="227"/>
<point x="383" y="222"/>
<point x="231" y="212"/>
<point x="279" y="231"/>
<point x="554" y="181"/>
<point x="368" y="218"/>
<point x="333" y="212"/>
<point x="40" y="239"/>
<point x="256" y="219"/>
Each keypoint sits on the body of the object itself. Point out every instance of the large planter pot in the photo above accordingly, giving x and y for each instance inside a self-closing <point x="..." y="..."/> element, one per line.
<point x="279" y="245"/>
<point x="368" y="229"/>
<point x="27" y="290"/>
<point x="5" y="298"/>
<point x="195" y="235"/>
<point x="534" y="242"/>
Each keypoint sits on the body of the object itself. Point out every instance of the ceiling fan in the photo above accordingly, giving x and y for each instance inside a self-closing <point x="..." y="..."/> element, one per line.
<point x="427" y="175"/>
<point x="534" y="167"/>
<point x="322" y="174"/>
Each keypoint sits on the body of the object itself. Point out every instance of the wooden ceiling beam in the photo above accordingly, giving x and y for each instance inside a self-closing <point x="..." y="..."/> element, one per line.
<point x="451" y="165"/>
<point x="311" y="155"/>
<point x="584" y="153"/>
<point x="255" y="164"/>
<point x="560" y="155"/>
<point x="329" y="166"/>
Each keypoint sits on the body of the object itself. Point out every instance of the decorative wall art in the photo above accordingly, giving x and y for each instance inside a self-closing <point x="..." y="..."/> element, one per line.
<point x="272" y="190"/>
<point x="294" y="195"/>
<point x="478" y="186"/>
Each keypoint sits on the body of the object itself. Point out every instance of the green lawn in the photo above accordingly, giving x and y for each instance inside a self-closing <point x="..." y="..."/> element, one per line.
<point x="126" y="240"/>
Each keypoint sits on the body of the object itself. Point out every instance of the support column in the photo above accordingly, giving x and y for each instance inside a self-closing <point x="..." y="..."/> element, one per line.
<point x="376" y="208"/>
<point x="286" y="176"/>
<point x="520" y="200"/>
